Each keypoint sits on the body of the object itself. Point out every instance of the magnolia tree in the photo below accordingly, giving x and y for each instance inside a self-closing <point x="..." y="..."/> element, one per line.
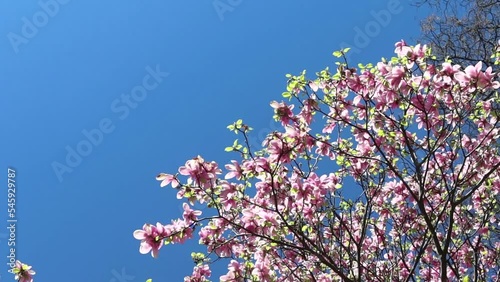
<point x="376" y="175"/>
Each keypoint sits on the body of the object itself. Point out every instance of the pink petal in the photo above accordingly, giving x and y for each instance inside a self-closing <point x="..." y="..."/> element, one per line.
<point x="145" y="248"/>
<point x="313" y="86"/>
<point x="139" y="234"/>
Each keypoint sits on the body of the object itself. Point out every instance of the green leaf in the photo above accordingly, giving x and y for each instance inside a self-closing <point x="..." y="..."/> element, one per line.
<point x="337" y="54"/>
<point x="345" y="50"/>
<point x="229" y="149"/>
<point x="340" y="160"/>
<point x="149" y="280"/>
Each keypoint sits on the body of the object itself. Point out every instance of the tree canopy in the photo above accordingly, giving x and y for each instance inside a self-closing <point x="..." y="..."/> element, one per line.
<point x="375" y="175"/>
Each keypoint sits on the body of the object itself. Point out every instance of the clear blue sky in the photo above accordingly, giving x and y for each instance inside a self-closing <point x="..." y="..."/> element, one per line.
<point x="64" y="68"/>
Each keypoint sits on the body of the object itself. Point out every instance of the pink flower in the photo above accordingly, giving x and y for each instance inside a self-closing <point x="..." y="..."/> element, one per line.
<point x="234" y="170"/>
<point x="200" y="171"/>
<point x="402" y="49"/>
<point x="396" y="76"/>
<point x="283" y="112"/>
<point x="151" y="238"/>
<point x="475" y="75"/>
<point x="486" y="79"/>
<point x="189" y="214"/>
<point x="192" y="167"/>
<point x="200" y="274"/>
<point x="419" y="51"/>
<point x="470" y="73"/>
<point x="449" y="69"/>
<point x="167" y="179"/>
<point x="235" y="272"/>
<point x="313" y="86"/>
<point x="23" y="272"/>
<point x="279" y="151"/>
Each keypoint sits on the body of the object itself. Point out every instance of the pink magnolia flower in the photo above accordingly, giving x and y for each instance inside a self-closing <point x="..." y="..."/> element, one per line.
<point x="180" y="230"/>
<point x="23" y="272"/>
<point x="200" y="171"/>
<point x="283" y="112"/>
<point x="402" y="49"/>
<point x="200" y="274"/>
<point x="189" y="214"/>
<point x="449" y="69"/>
<point x="167" y="179"/>
<point x="475" y="75"/>
<point x="313" y="86"/>
<point x="192" y="167"/>
<point x="396" y="76"/>
<point x="279" y="151"/>
<point x="151" y="238"/>
<point x="235" y="272"/>
<point x="419" y="51"/>
<point x="234" y="170"/>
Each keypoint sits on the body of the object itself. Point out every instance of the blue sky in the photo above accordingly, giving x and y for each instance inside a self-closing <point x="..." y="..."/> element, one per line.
<point x="160" y="81"/>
